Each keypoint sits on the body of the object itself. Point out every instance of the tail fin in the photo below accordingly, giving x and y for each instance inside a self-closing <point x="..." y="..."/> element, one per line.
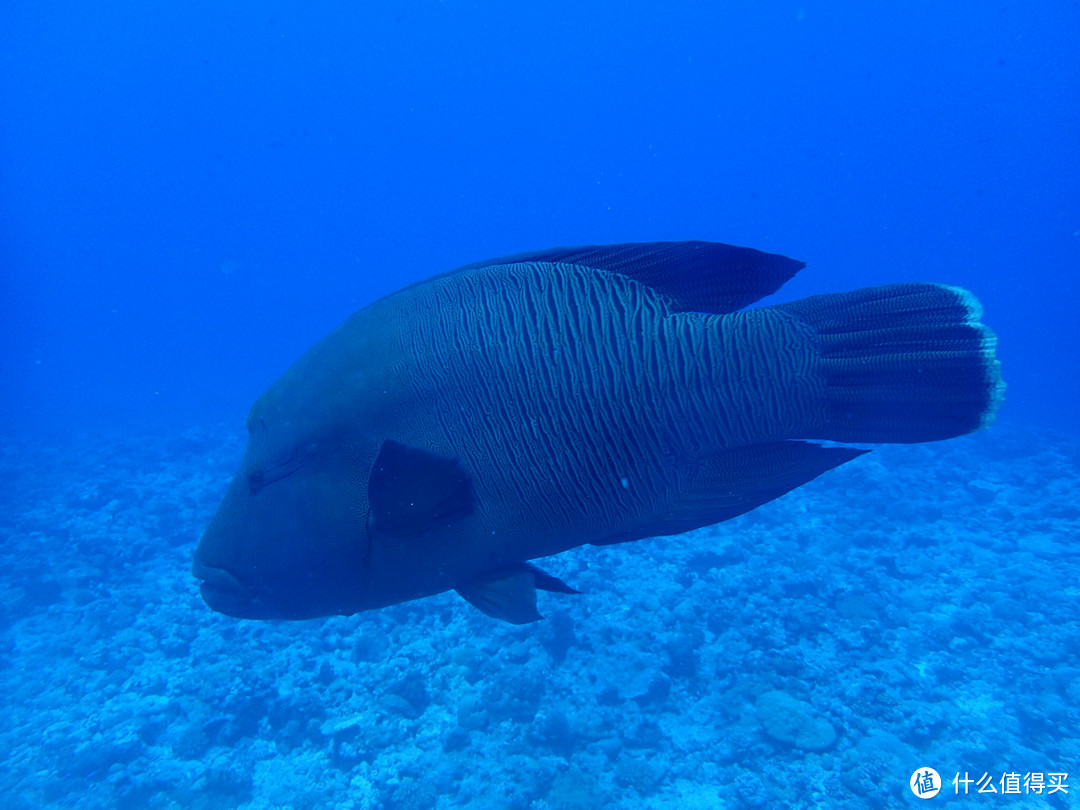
<point x="904" y="362"/>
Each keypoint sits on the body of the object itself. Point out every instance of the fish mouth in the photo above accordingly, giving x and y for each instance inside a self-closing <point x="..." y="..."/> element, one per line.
<point x="225" y="593"/>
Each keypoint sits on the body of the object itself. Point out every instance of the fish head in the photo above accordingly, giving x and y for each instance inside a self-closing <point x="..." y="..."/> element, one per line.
<point x="289" y="540"/>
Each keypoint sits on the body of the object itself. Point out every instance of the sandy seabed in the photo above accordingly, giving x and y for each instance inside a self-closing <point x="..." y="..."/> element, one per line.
<point x="917" y="608"/>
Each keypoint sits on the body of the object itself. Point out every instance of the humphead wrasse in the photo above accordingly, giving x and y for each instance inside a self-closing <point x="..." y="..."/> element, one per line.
<point x="448" y="434"/>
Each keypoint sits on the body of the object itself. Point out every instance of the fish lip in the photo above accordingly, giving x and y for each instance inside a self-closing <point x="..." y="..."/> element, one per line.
<point x="225" y="593"/>
<point x="219" y="579"/>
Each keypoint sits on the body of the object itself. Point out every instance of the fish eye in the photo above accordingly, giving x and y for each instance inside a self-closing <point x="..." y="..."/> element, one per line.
<point x="260" y="478"/>
<point x="256" y="481"/>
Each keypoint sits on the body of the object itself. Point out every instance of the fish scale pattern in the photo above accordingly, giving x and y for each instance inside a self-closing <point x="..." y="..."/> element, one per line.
<point x="598" y="402"/>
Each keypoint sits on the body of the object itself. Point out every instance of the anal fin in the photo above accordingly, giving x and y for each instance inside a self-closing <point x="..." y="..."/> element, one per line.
<point x="738" y="480"/>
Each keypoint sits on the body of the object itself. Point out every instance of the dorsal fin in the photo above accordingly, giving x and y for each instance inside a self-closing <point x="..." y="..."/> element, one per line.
<point x="693" y="276"/>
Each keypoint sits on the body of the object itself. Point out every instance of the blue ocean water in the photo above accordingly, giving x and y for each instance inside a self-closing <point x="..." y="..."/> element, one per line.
<point x="191" y="194"/>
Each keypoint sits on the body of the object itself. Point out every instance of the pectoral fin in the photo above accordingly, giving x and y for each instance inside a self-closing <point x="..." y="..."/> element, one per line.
<point x="411" y="490"/>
